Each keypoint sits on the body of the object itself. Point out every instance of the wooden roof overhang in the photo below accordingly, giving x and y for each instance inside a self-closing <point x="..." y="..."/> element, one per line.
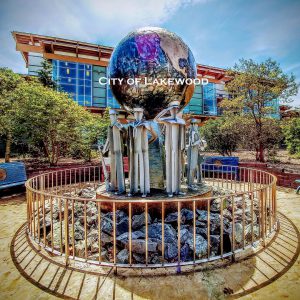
<point x="61" y="49"/>
<point x="76" y="51"/>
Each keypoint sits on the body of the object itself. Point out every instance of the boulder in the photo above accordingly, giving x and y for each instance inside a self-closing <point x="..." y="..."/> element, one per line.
<point x="238" y="232"/>
<point x="202" y="216"/>
<point x="124" y="238"/>
<point x="123" y="256"/>
<point x="171" y="250"/>
<point x="172" y="217"/>
<point x="107" y="225"/>
<point x="88" y="192"/>
<point x="139" y="246"/>
<point x="184" y="235"/>
<point x="201" y="231"/>
<point x="215" y="243"/>
<point x="139" y="220"/>
<point x="80" y="249"/>
<point x="122" y="226"/>
<point x="120" y="214"/>
<point x="200" y="224"/>
<point x="155" y="231"/>
<point x="186" y="215"/>
<point x="200" y="247"/>
<point x="185" y="253"/>
<point x="95" y="256"/>
<point x="154" y="258"/>
<point x="215" y="205"/>
<point x="78" y="231"/>
<point x="138" y="258"/>
<point x="47" y="224"/>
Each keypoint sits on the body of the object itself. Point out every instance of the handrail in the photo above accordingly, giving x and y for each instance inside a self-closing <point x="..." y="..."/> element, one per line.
<point x="248" y="203"/>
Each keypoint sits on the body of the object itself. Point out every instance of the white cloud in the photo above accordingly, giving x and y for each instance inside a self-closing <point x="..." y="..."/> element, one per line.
<point x="90" y="20"/>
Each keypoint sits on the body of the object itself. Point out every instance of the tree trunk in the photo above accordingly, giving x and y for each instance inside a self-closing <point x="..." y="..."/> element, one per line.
<point x="54" y="155"/>
<point x="256" y="154"/>
<point x="260" y="155"/>
<point x="260" y="148"/>
<point x="8" y="147"/>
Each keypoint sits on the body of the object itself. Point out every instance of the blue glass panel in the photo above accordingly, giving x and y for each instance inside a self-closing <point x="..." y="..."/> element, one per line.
<point x="67" y="80"/>
<point x="81" y="66"/>
<point x="67" y="72"/>
<point x="68" y="88"/>
<point x="81" y="74"/>
<point x="87" y="90"/>
<point x="88" y="101"/>
<point x="275" y="108"/>
<point x="111" y="101"/>
<point x="88" y="74"/>
<point x="68" y="64"/>
<point x="80" y="81"/>
<point x="186" y="110"/>
<point x="80" y="100"/>
<point x="209" y="99"/>
<point x="80" y="90"/>
<point x="75" y="79"/>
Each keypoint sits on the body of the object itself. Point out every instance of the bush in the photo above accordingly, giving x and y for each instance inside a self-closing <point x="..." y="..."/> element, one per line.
<point x="291" y="132"/>
<point x="221" y="136"/>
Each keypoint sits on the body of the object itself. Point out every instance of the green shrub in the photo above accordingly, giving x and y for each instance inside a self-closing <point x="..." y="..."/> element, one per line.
<point x="291" y="132"/>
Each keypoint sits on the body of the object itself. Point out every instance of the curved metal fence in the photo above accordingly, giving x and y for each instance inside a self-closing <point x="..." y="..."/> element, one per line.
<point x="65" y="218"/>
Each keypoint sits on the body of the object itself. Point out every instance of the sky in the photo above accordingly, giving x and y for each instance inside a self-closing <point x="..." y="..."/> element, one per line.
<point x="218" y="32"/>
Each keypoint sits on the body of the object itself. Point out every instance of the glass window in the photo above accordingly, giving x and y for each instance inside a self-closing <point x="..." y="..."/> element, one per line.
<point x="74" y="79"/>
<point x="111" y="101"/>
<point x="33" y="70"/>
<point x="209" y="99"/>
<point x="35" y="60"/>
<point x="87" y="90"/>
<point x="68" y="88"/>
<point x="88" y="83"/>
<point x="68" y="65"/>
<point x="81" y="66"/>
<point x="69" y="80"/>
<point x="81" y="74"/>
<point x="80" y="90"/>
<point x="99" y="92"/>
<point x="67" y="72"/>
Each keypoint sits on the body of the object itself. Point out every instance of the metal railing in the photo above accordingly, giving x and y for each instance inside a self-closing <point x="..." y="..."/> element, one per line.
<point x="62" y="218"/>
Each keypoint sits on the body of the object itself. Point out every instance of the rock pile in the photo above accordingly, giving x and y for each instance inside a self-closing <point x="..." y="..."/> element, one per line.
<point x="87" y="228"/>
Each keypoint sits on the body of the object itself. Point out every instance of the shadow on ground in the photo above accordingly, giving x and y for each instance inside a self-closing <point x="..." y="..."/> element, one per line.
<point x="79" y="281"/>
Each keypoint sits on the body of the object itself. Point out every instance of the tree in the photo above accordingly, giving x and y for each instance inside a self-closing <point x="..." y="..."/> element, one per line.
<point x="92" y="130"/>
<point x="292" y="136"/>
<point x="48" y="118"/>
<point x="9" y="81"/>
<point x="45" y="75"/>
<point x="270" y="134"/>
<point x="221" y="135"/>
<point x="253" y="88"/>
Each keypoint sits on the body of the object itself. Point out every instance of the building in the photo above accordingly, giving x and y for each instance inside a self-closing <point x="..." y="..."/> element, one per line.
<point x="289" y="112"/>
<point x="77" y="66"/>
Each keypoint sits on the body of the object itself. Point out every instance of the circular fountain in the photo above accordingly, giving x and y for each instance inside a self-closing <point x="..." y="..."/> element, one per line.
<point x="113" y="214"/>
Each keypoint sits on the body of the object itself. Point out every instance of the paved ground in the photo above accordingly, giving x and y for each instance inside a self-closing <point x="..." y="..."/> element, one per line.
<point x="271" y="274"/>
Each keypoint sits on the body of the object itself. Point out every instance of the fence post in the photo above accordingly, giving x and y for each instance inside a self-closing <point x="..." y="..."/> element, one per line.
<point x="66" y="217"/>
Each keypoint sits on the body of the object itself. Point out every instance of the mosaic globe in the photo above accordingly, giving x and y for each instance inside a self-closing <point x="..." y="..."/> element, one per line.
<point x="150" y="68"/>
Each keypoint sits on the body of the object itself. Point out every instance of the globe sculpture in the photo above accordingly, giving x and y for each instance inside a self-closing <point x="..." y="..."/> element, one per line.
<point x="148" y="57"/>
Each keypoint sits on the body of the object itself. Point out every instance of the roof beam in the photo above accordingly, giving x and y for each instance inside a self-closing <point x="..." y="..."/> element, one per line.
<point x="28" y="48"/>
<point x="76" y="59"/>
